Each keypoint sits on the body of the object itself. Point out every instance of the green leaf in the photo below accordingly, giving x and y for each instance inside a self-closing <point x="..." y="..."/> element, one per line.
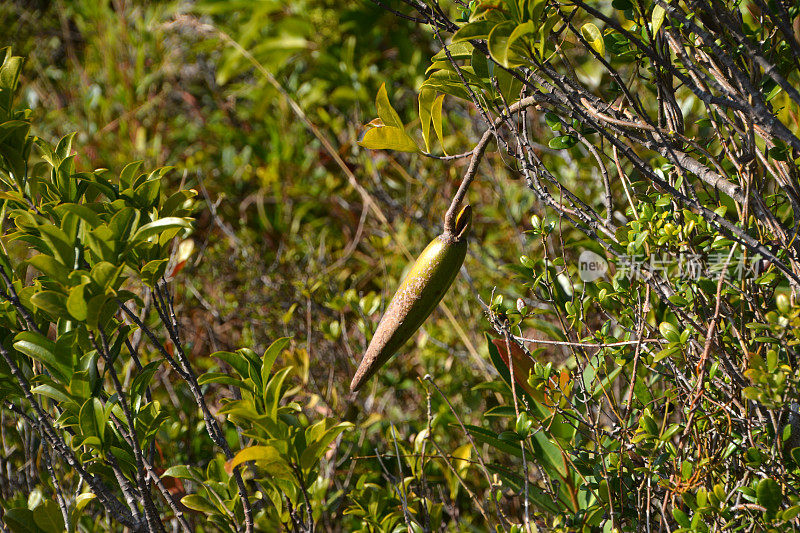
<point x="272" y="392"/>
<point x="129" y="173"/>
<point x="669" y="332"/>
<point x="769" y="494"/>
<point x="436" y="116"/>
<point x="20" y="520"/>
<point x="488" y="437"/>
<point x="681" y="518"/>
<point x="473" y="30"/>
<point x="426" y="99"/>
<point x="265" y="454"/>
<point x="224" y="379"/>
<point x="158" y="226"/>
<point x="182" y="472"/>
<point x="51" y="391"/>
<point x="388" y="138"/>
<point x="499" y="42"/>
<point x="42" y="349"/>
<point x="562" y="142"/>
<point x="143" y="378"/>
<point x="237" y="361"/>
<point x="386" y="112"/>
<point x="270" y="355"/>
<point x="51" y="302"/>
<point x="594" y="37"/>
<point x="60" y="244"/>
<point x="548" y="454"/>
<point x="316" y="449"/>
<point x="48" y="266"/>
<point x="198" y="503"/>
<point x="48" y="517"/>
<point x="76" y="303"/>
<point x="82" y="500"/>
<point x="92" y="419"/>
<point x="658" y="18"/>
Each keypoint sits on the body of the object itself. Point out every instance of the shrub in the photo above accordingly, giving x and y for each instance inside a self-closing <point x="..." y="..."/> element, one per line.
<point x="662" y="140"/>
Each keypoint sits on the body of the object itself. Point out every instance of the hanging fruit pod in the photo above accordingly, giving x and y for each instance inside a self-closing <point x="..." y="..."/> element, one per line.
<point x="418" y="295"/>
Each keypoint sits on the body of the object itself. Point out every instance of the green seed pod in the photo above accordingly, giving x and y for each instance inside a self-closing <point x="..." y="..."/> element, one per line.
<point x="417" y="297"/>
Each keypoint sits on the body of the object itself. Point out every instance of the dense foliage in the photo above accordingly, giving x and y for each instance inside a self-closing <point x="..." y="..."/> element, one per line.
<point x="632" y="167"/>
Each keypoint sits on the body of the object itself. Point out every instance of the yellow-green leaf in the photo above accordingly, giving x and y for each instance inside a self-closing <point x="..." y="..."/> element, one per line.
<point x="473" y="30"/>
<point x="658" y="18"/>
<point x="76" y="303"/>
<point x="436" y="112"/>
<point x="261" y="454"/>
<point x="498" y="42"/>
<point x="388" y="138"/>
<point x="426" y="98"/>
<point x="385" y="110"/>
<point x="593" y="36"/>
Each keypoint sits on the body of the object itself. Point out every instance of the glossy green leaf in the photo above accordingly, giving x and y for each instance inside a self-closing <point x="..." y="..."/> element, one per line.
<point x="272" y="392"/>
<point x="473" y="30"/>
<point x="76" y="303"/>
<point x="425" y="99"/>
<point x="562" y="142"/>
<point x="50" y="267"/>
<point x="42" y="349"/>
<point x="316" y="449"/>
<point x="92" y="419"/>
<point x="265" y="454"/>
<point x="51" y="302"/>
<point x="499" y="42"/>
<point x="198" y="503"/>
<point x="769" y="494"/>
<point x="270" y="355"/>
<point x="159" y="226"/>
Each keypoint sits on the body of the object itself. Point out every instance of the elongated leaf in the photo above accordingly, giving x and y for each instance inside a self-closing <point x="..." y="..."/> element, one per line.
<point x="388" y="138"/>
<point x="385" y="110"/>
<point x="53" y="392"/>
<point x="488" y="437"/>
<point x="47" y="517"/>
<point x="267" y="454"/>
<point x="76" y="303"/>
<point x="498" y="42"/>
<point x="272" y="392"/>
<point x="92" y="419"/>
<point x="658" y="18"/>
<point x="270" y="355"/>
<point x="316" y="449"/>
<point x="50" y="267"/>
<point x="526" y="28"/>
<point x="224" y="379"/>
<point x="473" y="30"/>
<point x="198" y="503"/>
<point x="60" y="244"/>
<point x="183" y="472"/>
<point x="159" y="226"/>
<point x="548" y="454"/>
<point x="426" y="98"/>
<point x="436" y="117"/>
<point x="594" y="37"/>
<point x="51" y="302"/>
<point x="42" y="349"/>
